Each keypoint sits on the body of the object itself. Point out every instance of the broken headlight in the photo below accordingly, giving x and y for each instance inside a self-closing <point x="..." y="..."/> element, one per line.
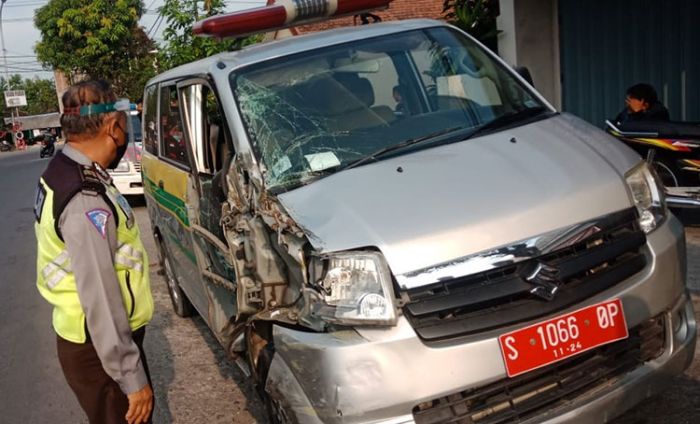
<point x="648" y="196"/>
<point x="354" y="288"/>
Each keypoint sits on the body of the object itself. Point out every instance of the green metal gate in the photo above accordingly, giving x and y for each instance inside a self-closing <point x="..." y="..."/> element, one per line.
<point x="609" y="45"/>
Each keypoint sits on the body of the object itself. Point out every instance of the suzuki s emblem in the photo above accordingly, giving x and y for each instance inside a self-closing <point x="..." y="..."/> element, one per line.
<point x="544" y="278"/>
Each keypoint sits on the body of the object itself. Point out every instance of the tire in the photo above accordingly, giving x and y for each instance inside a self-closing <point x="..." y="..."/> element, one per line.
<point x="668" y="172"/>
<point x="276" y="413"/>
<point x="181" y="304"/>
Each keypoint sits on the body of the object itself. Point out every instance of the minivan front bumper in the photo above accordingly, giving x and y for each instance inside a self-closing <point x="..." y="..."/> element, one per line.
<point x="379" y="375"/>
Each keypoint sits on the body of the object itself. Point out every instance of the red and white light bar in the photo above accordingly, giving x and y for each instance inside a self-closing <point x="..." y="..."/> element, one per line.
<point x="282" y="14"/>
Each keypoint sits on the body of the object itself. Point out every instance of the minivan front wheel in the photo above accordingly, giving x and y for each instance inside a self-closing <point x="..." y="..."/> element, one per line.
<point x="260" y="354"/>
<point x="668" y="173"/>
<point x="181" y="304"/>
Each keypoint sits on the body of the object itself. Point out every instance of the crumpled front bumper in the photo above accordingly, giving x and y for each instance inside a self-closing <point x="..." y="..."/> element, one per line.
<point x="379" y="375"/>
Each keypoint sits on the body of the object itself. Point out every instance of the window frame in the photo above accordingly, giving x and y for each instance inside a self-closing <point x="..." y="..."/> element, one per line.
<point x="146" y="110"/>
<point x="208" y="84"/>
<point x="183" y="166"/>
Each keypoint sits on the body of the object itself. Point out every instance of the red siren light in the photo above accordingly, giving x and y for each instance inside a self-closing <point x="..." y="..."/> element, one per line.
<point x="282" y="14"/>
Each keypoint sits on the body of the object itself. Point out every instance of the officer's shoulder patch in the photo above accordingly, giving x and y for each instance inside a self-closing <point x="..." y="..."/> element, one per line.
<point x="91" y="182"/>
<point x="98" y="217"/>
<point x="39" y="202"/>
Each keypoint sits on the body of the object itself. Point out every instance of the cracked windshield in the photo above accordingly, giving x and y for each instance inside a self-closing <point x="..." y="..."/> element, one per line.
<point x="333" y="108"/>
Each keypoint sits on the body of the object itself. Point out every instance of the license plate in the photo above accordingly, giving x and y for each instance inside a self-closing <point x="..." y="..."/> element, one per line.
<point x="562" y="337"/>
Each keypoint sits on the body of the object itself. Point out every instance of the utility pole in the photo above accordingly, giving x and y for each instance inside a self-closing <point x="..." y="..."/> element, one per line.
<point x="7" y="70"/>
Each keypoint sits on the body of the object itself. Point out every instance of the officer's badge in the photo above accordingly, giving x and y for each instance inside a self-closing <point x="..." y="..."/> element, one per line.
<point x="124" y="204"/>
<point x="102" y="174"/>
<point x="99" y="217"/>
<point x="39" y="202"/>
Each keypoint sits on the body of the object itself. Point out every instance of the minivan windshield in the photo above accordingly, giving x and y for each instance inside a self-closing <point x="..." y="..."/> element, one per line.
<point x="325" y="110"/>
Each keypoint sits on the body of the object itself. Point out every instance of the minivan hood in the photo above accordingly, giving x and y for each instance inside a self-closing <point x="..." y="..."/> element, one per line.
<point x="447" y="202"/>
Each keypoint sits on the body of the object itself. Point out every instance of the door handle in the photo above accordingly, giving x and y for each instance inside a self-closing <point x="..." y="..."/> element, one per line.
<point x="161" y="185"/>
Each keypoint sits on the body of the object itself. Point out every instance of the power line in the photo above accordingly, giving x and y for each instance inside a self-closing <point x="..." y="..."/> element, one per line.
<point x="30" y="18"/>
<point x="158" y="20"/>
<point x="26" y="4"/>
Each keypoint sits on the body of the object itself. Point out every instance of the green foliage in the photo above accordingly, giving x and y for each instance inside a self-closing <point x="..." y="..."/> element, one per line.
<point x="180" y="45"/>
<point x="96" y="39"/>
<point x="477" y="17"/>
<point x="41" y="95"/>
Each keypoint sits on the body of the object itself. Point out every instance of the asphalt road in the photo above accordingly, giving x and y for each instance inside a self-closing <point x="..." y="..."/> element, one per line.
<point x="194" y="381"/>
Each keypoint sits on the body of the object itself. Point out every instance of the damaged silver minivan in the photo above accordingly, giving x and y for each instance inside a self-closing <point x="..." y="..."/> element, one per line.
<point x="386" y="224"/>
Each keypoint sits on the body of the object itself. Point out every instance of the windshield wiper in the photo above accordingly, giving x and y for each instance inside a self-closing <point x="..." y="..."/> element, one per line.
<point x="507" y="119"/>
<point x="410" y="142"/>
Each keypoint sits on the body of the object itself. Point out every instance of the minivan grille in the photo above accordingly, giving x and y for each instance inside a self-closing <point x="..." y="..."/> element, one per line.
<point x="502" y="296"/>
<point x="137" y="166"/>
<point x="517" y="399"/>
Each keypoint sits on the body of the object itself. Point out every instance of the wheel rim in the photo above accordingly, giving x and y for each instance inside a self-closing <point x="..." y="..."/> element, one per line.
<point x="668" y="178"/>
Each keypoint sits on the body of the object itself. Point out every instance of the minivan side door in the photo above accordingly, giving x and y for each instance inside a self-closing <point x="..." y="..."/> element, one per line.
<point x="207" y="134"/>
<point x="169" y="184"/>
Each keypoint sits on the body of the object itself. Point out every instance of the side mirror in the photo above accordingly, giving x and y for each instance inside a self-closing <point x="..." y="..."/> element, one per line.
<point x="525" y="73"/>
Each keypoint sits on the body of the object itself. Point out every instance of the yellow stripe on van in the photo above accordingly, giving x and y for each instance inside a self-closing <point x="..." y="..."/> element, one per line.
<point x="172" y="197"/>
<point x="174" y="179"/>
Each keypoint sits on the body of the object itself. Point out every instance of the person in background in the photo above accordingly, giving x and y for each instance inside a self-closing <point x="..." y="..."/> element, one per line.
<point x="400" y="109"/>
<point x="642" y="104"/>
<point x="91" y="264"/>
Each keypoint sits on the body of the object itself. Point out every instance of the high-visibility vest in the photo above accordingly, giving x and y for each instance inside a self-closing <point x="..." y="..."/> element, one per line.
<point x="63" y="179"/>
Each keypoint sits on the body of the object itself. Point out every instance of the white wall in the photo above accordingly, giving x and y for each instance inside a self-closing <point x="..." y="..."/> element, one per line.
<point x="530" y="37"/>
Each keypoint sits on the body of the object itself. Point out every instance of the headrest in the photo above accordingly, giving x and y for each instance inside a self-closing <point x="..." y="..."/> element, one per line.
<point x="360" y="87"/>
<point x="331" y="98"/>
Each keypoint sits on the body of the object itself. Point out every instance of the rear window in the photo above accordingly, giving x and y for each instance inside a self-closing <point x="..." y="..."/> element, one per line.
<point x="150" y="116"/>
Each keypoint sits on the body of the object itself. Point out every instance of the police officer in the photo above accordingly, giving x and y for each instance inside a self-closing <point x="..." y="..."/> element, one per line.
<point x="92" y="266"/>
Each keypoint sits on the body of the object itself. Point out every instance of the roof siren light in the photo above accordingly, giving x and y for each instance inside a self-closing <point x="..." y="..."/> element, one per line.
<point x="280" y="15"/>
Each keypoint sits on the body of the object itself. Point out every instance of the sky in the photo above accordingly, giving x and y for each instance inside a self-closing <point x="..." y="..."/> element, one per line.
<point x="20" y="35"/>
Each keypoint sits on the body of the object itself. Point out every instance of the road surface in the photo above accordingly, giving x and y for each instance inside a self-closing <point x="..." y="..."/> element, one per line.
<point x="194" y="381"/>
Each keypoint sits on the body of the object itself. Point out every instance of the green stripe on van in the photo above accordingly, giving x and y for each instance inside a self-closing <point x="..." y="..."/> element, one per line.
<point x="168" y="201"/>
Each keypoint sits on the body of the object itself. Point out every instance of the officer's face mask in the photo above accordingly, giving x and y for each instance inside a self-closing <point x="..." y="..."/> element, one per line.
<point x="121" y="149"/>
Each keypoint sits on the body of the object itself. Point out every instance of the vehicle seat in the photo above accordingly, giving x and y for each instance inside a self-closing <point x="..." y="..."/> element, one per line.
<point x="221" y="155"/>
<point x="362" y="88"/>
<point x="215" y="142"/>
<point x="344" y="107"/>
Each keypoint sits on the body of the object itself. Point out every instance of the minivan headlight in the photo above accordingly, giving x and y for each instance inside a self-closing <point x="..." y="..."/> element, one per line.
<point x="648" y="196"/>
<point x="355" y="288"/>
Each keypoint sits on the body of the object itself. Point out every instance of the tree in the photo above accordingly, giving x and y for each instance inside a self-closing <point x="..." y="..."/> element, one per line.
<point x="15" y="84"/>
<point x="41" y="95"/>
<point x="477" y="17"/>
<point x="96" y="39"/>
<point x="180" y="45"/>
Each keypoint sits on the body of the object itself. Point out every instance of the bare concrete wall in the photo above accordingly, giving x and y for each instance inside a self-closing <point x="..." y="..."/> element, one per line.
<point x="530" y="37"/>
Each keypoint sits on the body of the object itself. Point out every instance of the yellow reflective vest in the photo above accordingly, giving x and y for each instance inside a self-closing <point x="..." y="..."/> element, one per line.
<point x="55" y="280"/>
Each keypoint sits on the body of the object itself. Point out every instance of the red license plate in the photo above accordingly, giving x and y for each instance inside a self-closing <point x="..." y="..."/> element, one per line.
<point x="562" y="337"/>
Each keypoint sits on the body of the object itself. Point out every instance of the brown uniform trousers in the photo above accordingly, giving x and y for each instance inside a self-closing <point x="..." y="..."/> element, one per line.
<point x="98" y="395"/>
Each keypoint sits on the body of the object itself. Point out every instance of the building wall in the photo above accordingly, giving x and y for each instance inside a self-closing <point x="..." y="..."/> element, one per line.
<point x="530" y="37"/>
<point x="398" y="9"/>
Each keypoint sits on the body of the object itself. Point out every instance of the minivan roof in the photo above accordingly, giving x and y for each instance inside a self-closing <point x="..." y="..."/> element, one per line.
<point x="299" y="43"/>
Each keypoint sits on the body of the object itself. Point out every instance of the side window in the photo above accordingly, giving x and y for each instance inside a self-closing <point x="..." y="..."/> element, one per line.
<point x="150" y="114"/>
<point x="205" y="128"/>
<point x="172" y="138"/>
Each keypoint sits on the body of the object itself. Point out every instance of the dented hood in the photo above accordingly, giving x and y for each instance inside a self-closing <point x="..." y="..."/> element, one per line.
<point x="451" y="201"/>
